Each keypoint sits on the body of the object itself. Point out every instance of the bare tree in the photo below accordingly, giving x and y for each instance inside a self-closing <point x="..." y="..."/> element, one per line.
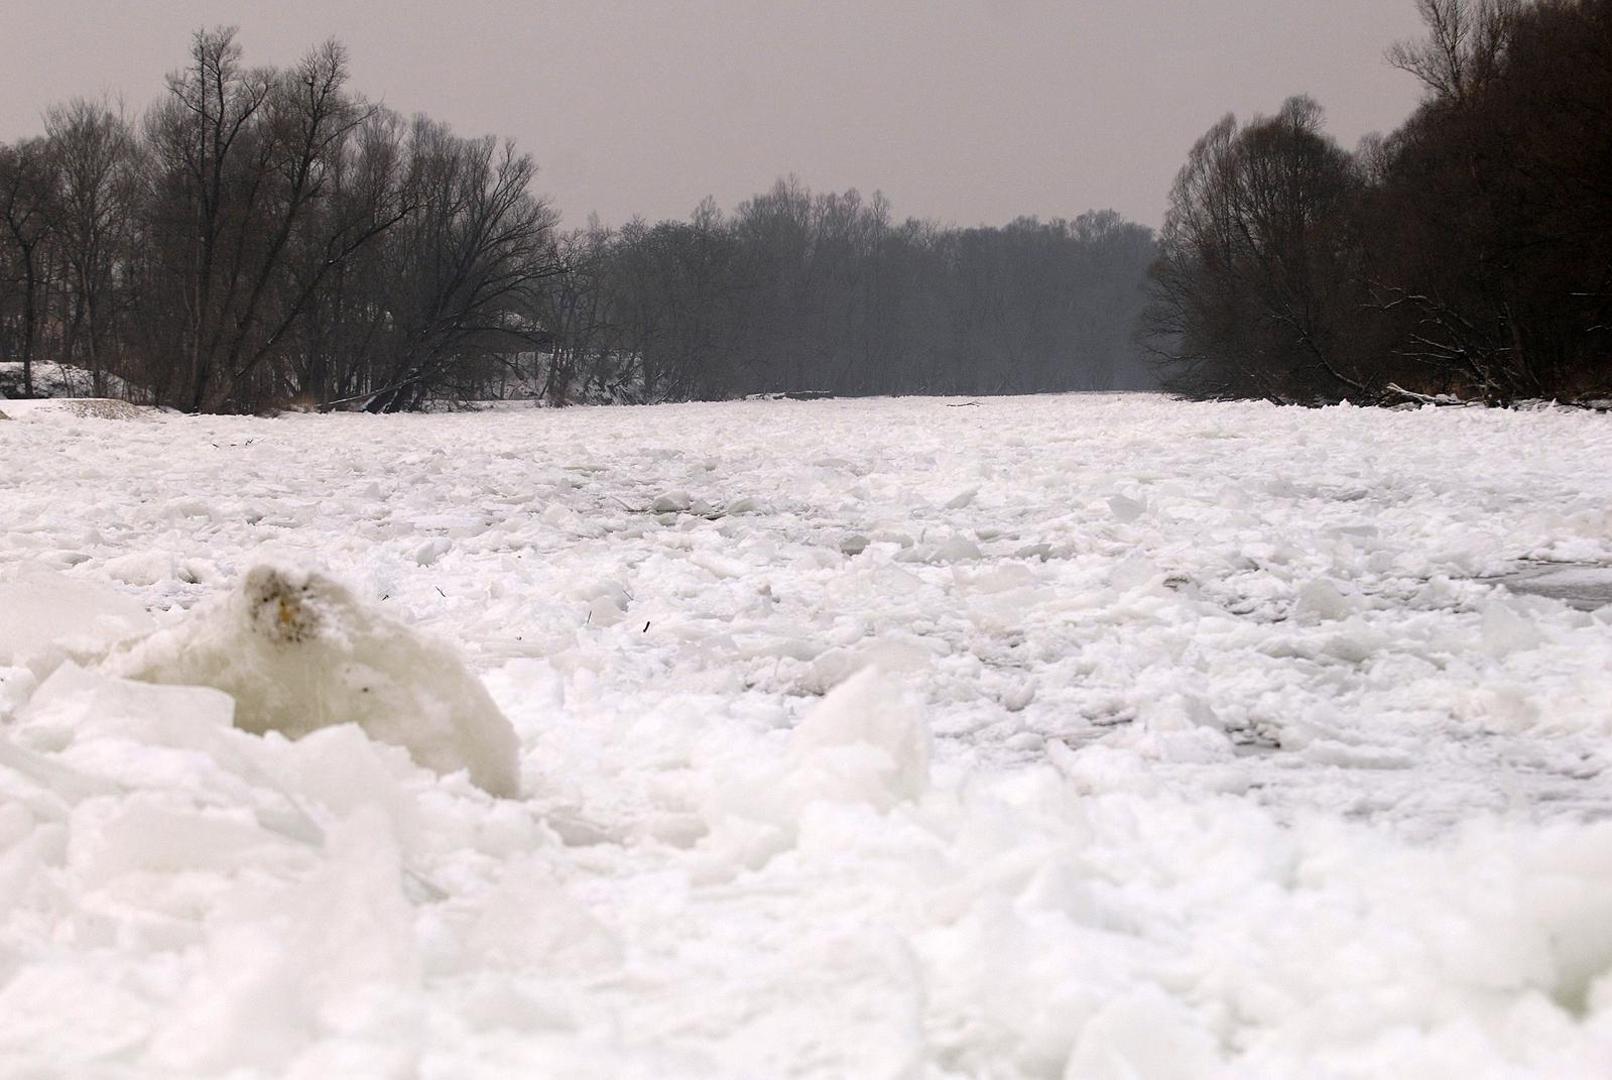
<point x="1464" y="43"/>
<point x="245" y="159"/>
<point x="94" y="154"/>
<point x="1255" y="289"/>
<point x="464" y="265"/>
<point x="26" y="212"/>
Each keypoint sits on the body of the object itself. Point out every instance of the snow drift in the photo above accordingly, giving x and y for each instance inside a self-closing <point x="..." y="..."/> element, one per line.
<point x="298" y="653"/>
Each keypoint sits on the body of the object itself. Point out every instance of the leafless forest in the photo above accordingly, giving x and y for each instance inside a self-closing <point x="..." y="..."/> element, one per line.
<point x="264" y="236"/>
<point x="260" y="236"/>
<point x="1468" y="253"/>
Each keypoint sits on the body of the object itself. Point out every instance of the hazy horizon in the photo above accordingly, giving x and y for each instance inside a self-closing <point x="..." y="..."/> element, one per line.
<point x="962" y="113"/>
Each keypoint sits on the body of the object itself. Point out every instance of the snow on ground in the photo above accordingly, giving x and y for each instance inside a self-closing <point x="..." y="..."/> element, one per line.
<point x="56" y="381"/>
<point x="1159" y="740"/>
<point x="75" y="408"/>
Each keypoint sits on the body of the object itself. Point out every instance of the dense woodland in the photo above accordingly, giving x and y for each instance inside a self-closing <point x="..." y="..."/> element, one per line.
<point x="1467" y="255"/>
<point x="265" y="236"/>
<point x="261" y="236"/>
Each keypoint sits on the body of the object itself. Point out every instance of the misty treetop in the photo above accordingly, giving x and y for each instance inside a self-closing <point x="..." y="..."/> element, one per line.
<point x="1467" y="254"/>
<point x="263" y="235"/>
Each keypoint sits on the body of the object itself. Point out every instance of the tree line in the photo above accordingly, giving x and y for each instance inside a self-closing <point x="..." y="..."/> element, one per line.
<point x="261" y="236"/>
<point x="826" y="292"/>
<point x="262" y="233"/>
<point x="1466" y="255"/>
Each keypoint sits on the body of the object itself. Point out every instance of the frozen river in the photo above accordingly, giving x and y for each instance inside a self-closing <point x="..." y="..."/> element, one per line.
<point x="1190" y="740"/>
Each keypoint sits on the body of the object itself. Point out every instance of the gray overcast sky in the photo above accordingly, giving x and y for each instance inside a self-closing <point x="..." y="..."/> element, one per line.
<point x="967" y="112"/>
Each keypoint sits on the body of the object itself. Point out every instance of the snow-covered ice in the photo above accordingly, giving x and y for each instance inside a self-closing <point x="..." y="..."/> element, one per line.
<point x="1089" y="736"/>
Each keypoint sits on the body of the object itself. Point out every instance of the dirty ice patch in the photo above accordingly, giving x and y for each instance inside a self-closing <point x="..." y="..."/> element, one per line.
<point x="296" y="652"/>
